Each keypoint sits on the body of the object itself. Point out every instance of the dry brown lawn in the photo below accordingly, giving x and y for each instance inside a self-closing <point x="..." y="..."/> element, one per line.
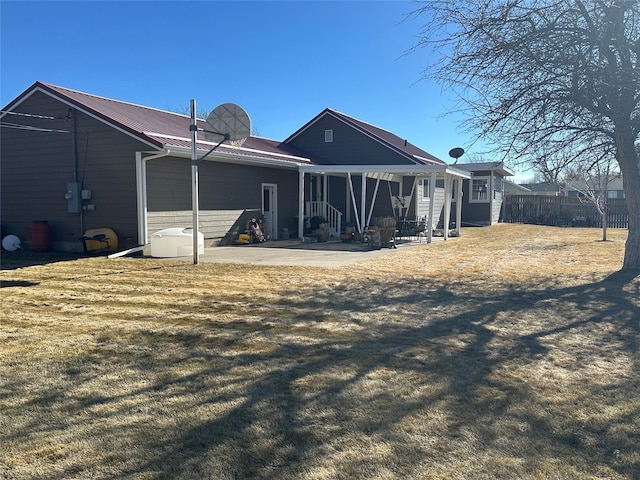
<point x="510" y="352"/>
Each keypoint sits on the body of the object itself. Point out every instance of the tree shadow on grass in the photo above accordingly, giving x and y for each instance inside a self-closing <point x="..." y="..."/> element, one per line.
<point x="422" y="381"/>
<point x="349" y="406"/>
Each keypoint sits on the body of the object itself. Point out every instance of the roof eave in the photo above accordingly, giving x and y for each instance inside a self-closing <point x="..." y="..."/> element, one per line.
<point x="227" y="157"/>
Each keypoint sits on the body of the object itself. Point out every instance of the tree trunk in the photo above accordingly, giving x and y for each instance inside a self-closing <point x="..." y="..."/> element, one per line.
<point x="627" y="157"/>
<point x="604" y="225"/>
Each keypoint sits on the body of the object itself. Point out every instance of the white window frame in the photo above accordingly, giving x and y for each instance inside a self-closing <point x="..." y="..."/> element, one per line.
<point x="472" y="196"/>
<point x="426" y="189"/>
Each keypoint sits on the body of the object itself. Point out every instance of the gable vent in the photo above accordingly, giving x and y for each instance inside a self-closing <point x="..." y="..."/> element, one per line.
<point x="328" y="136"/>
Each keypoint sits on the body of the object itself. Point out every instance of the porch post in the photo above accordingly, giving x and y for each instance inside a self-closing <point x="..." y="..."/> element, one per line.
<point x="432" y="194"/>
<point x="300" y="204"/>
<point x="448" y="183"/>
<point x="373" y="200"/>
<point x="459" y="206"/>
<point x="363" y="200"/>
<point x="411" y="199"/>
<point x="325" y="194"/>
<point x="355" y="206"/>
<point x="141" y="182"/>
<point x="491" y="201"/>
<point x="347" y="196"/>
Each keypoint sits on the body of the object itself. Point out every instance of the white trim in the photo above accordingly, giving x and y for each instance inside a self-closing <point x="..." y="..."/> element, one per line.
<point x="273" y="202"/>
<point x="488" y="191"/>
<point x="228" y="157"/>
<point x="405" y="170"/>
<point x="300" y="204"/>
<point x="424" y="198"/>
<point x="328" y="135"/>
<point x="141" y="192"/>
<point x="227" y="146"/>
<point x="431" y="225"/>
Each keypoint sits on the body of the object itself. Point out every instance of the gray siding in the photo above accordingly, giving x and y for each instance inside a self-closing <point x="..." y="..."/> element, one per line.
<point x="482" y="213"/>
<point x="230" y="195"/>
<point x="36" y="167"/>
<point x="438" y="207"/>
<point x="497" y="208"/>
<point x="349" y="146"/>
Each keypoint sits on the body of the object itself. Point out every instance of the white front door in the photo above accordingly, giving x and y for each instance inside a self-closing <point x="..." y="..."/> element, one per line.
<point x="270" y="209"/>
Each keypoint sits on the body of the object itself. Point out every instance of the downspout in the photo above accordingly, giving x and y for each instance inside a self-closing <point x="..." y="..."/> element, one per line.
<point x="74" y="152"/>
<point x="141" y="188"/>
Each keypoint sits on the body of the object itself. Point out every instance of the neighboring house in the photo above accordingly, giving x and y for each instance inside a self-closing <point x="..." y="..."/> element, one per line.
<point x="552" y="189"/>
<point x="614" y="188"/>
<point x="81" y="162"/>
<point x="511" y="188"/>
<point x="482" y="200"/>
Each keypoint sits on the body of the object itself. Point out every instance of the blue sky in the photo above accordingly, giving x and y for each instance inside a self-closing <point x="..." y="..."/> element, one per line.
<point x="282" y="61"/>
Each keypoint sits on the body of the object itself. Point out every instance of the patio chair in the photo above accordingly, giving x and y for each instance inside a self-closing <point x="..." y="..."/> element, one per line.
<point x="387" y="228"/>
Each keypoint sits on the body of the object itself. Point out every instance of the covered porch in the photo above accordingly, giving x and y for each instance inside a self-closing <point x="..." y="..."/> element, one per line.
<point x="362" y="191"/>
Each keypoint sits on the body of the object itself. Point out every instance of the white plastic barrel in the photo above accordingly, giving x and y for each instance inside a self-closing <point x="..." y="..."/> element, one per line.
<point x="175" y="242"/>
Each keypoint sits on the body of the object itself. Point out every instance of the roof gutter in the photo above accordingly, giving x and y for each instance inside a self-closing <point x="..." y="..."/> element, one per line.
<point x="244" y="159"/>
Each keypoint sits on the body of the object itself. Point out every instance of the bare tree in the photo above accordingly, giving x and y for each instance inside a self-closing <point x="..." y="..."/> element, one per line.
<point x="592" y="181"/>
<point x="549" y="164"/>
<point x="555" y="74"/>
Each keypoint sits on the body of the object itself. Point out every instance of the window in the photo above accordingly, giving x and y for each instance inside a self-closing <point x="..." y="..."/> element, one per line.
<point x="328" y="136"/>
<point x="426" y="189"/>
<point x="479" y="190"/>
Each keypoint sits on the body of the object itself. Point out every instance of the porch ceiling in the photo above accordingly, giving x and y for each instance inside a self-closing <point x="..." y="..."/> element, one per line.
<point x="387" y="172"/>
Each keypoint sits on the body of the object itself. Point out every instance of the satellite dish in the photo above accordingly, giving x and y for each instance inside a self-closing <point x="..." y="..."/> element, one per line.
<point x="456" y="152"/>
<point x="227" y="122"/>
<point x="11" y="243"/>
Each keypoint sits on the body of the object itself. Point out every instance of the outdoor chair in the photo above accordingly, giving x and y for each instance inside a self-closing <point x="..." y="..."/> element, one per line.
<point x="387" y="228"/>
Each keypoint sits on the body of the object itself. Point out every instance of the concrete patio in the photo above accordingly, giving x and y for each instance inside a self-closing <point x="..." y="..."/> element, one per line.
<point x="331" y="254"/>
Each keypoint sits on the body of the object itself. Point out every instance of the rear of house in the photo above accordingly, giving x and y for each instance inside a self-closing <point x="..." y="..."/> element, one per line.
<point x="82" y="162"/>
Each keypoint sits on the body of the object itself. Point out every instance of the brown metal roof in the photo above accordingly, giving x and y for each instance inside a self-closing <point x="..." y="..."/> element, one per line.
<point x="160" y="128"/>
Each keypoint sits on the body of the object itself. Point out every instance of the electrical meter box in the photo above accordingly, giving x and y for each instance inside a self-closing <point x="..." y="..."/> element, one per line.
<point x="74" y="197"/>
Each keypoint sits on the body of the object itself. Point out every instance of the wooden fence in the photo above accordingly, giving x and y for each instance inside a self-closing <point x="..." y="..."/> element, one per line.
<point x="563" y="211"/>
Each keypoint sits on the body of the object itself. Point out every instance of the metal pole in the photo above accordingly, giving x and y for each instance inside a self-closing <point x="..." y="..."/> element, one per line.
<point x="194" y="179"/>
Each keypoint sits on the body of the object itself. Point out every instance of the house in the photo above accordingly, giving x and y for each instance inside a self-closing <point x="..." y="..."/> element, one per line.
<point x="364" y="171"/>
<point x="482" y="201"/>
<point x="82" y="162"/>
<point x="614" y="187"/>
<point x="511" y="188"/>
<point x="550" y="189"/>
